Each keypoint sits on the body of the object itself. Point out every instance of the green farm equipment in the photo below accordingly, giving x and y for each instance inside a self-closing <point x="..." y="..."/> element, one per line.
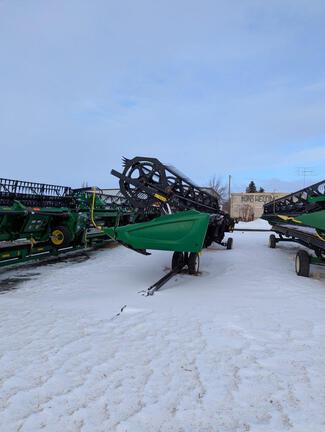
<point x="176" y="215"/>
<point x="39" y="220"/>
<point x="300" y="217"/>
<point x="179" y="232"/>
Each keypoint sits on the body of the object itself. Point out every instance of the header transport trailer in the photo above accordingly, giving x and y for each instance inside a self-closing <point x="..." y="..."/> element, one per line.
<point x="300" y="217"/>
<point x="39" y="220"/>
<point x="173" y="214"/>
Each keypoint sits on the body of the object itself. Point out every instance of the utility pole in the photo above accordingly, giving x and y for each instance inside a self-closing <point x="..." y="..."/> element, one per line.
<point x="229" y="193"/>
<point x="304" y="172"/>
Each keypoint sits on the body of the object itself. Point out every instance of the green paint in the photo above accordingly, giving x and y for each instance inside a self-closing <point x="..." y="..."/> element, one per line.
<point x="314" y="220"/>
<point x="316" y="199"/>
<point x="182" y="232"/>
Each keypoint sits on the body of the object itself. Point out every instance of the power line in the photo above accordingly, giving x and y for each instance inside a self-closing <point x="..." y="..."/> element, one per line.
<point x="305" y="172"/>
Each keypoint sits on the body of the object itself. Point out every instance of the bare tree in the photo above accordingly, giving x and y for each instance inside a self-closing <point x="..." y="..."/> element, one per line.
<point x="219" y="189"/>
<point x="247" y="213"/>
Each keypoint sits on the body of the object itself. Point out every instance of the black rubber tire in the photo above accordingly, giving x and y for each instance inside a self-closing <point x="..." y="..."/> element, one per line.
<point x="302" y="263"/>
<point x="193" y="263"/>
<point x="177" y="260"/>
<point x="61" y="240"/>
<point x="272" y="241"/>
<point x="230" y="242"/>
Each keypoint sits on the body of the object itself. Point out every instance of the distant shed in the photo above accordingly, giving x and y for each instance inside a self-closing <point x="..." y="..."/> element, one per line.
<point x="249" y="206"/>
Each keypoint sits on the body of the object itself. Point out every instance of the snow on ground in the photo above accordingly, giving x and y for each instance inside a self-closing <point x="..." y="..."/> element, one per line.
<point x="255" y="224"/>
<point x="239" y="348"/>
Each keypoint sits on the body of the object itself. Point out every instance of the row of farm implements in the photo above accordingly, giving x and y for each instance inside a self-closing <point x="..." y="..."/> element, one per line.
<point x="300" y="217"/>
<point x="40" y="220"/>
<point x="172" y="214"/>
<point x="157" y="208"/>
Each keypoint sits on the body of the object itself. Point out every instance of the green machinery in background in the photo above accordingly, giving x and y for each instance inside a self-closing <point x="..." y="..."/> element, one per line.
<point x="39" y="220"/>
<point x="300" y="217"/>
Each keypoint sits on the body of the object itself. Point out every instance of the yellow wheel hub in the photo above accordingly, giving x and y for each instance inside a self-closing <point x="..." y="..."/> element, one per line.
<point x="57" y="237"/>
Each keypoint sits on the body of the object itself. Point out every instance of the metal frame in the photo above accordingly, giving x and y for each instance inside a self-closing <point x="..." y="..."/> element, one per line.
<point x="306" y="200"/>
<point x="33" y="194"/>
<point x="146" y="182"/>
<point x="308" y="240"/>
<point x="305" y="239"/>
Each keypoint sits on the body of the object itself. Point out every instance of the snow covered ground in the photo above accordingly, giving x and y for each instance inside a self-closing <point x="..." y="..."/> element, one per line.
<point x="239" y="348"/>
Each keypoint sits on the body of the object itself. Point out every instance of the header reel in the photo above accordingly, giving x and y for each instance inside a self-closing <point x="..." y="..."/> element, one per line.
<point x="307" y="200"/>
<point x="146" y="183"/>
<point x="33" y="194"/>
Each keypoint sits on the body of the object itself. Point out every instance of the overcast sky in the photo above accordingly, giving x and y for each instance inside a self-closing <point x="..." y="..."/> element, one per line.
<point x="213" y="87"/>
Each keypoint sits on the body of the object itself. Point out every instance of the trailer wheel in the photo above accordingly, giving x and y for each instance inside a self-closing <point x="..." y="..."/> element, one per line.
<point x="177" y="260"/>
<point x="272" y="241"/>
<point x="230" y="242"/>
<point x="193" y="263"/>
<point x="60" y="236"/>
<point x="302" y="263"/>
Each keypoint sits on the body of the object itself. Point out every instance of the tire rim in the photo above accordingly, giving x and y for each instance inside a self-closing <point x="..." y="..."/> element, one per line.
<point x="57" y="237"/>
<point x="197" y="263"/>
<point x="297" y="264"/>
